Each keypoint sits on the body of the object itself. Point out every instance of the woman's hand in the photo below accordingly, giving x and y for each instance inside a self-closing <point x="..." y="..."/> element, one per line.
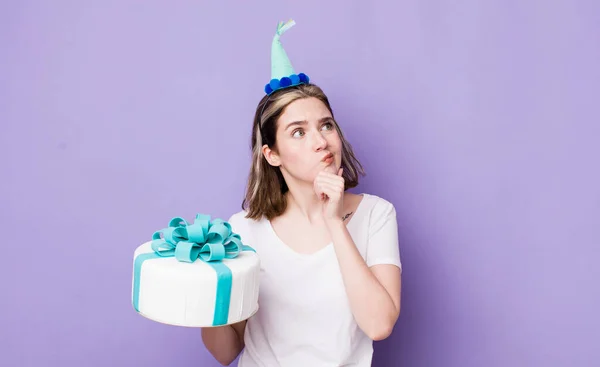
<point x="330" y="190"/>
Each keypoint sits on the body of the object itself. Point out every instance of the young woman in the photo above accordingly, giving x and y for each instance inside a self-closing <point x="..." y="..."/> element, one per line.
<point x="330" y="265"/>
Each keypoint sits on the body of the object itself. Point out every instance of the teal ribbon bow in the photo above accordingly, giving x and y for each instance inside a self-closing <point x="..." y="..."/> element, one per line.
<point x="209" y="241"/>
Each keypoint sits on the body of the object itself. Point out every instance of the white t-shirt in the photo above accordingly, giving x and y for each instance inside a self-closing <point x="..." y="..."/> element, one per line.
<point x="304" y="317"/>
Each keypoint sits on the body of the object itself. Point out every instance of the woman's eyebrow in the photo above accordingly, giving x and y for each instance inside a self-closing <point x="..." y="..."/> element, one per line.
<point x="304" y="122"/>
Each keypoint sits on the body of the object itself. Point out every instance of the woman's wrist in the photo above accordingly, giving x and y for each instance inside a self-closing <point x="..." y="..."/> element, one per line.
<point x="335" y="224"/>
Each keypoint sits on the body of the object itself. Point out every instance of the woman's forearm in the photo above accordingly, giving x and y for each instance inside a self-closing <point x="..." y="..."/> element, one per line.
<point x="224" y="342"/>
<point x="372" y="305"/>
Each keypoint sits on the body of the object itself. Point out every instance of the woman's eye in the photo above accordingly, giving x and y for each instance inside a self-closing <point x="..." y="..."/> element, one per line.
<point x="329" y="125"/>
<point x="297" y="133"/>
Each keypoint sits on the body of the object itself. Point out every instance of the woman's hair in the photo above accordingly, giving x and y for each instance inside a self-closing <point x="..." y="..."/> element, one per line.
<point x="266" y="186"/>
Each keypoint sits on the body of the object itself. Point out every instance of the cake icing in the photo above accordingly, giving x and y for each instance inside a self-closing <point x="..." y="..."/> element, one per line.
<point x="196" y="275"/>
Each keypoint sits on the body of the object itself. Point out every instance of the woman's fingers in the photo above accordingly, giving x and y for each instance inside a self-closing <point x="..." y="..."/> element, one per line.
<point x="331" y="178"/>
<point x="332" y="191"/>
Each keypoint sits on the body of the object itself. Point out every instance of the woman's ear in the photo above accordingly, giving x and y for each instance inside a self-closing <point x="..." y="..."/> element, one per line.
<point x="271" y="156"/>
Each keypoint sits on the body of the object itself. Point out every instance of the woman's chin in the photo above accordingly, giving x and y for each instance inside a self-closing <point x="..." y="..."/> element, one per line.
<point x="331" y="168"/>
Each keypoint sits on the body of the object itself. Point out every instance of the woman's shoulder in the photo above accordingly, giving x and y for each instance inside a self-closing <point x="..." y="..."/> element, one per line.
<point x="240" y="222"/>
<point x="240" y="219"/>
<point x="243" y="226"/>
<point x="378" y="205"/>
<point x="375" y="211"/>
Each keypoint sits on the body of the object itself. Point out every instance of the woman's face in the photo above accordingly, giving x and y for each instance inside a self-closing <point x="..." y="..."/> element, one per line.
<point x="307" y="140"/>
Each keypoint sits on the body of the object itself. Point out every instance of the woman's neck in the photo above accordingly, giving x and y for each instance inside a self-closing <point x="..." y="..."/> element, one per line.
<point x="302" y="201"/>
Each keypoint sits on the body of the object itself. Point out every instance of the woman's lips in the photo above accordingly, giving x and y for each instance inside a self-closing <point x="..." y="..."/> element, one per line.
<point x="327" y="159"/>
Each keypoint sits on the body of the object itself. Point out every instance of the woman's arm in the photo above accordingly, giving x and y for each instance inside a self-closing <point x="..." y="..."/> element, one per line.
<point x="374" y="293"/>
<point x="225" y="342"/>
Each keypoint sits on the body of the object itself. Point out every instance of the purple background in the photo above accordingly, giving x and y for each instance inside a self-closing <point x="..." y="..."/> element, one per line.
<point x="478" y="120"/>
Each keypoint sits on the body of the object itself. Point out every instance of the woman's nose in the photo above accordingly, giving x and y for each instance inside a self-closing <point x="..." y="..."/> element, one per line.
<point x="320" y="142"/>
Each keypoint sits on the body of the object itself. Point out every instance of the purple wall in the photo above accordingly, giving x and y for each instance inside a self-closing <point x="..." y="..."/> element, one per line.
<point x="478" y="120"/>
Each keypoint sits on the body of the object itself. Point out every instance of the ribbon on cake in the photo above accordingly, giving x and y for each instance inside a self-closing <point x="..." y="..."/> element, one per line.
<point x="205" y="240"/>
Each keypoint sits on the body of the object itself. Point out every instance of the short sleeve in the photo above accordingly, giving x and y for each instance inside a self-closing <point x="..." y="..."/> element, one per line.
<point x="383" y="246"/>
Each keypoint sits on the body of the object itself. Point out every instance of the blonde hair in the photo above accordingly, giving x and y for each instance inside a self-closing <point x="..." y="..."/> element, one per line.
<point x="266" y="187"/>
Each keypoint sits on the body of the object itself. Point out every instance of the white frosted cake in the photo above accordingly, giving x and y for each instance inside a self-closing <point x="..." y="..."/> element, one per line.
<point x="198" y="291"/>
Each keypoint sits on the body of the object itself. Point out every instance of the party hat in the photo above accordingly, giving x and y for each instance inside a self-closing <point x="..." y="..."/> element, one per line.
<point x="282" y="71"/>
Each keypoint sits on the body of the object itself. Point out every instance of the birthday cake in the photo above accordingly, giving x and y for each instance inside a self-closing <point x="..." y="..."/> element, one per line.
<point x="196" y="275"/>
